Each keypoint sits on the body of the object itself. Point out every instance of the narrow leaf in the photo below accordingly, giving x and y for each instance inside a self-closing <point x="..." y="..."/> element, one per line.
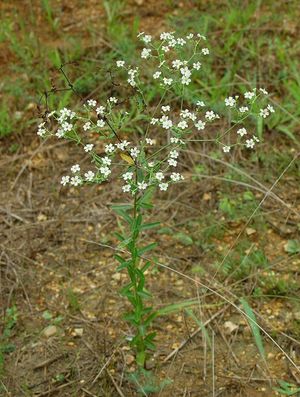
<point x="254" y="327"/>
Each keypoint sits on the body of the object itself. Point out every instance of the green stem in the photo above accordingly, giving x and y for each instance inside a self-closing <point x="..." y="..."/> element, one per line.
<point x="140" y="346"/>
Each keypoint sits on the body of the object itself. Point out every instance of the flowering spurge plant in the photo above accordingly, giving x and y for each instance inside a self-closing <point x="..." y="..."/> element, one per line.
<point x="138" y="142"/>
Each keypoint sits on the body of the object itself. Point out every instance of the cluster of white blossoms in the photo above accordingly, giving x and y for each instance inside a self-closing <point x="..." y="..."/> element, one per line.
<point x="244" y="111"/>
<point x="143" y="163"/>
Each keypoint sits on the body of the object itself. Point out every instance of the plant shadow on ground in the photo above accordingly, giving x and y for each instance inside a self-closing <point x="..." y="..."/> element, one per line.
<point x="62" y="328"/>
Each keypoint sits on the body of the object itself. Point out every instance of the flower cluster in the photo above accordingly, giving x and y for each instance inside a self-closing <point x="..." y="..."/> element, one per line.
<point x="143" y="163"/>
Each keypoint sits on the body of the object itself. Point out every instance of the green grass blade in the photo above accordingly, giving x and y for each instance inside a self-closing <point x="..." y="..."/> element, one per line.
<point x="200" y="324"/>
<point x="255" y="329"/>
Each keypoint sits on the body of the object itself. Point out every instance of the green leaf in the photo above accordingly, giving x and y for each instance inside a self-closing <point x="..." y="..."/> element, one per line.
<point x="248" y="196"/>
<point x="144" y="294"/>
<point x="254" y="327"/>
<point x="124" y="265"/>
<point x="124" y="215"/>
<point x="227" y="206"/>
<point x="177" y="307"/>
<point x="150" y="318"/>
<point x="140" y="358"/>
<point x="292" y="247"/>
<point x="146" y="266"/>
<point x="286" y="388"/>
<point x="147" y="226"/>
<point x="287" y="132"/>
<point x="122" y="207"/>
<point x="200" y="324"/>
<point x="149" y="247"/>
<point x="119" y="236"/>
<point x="47" y="315"/>
<point x="185" y="239"/>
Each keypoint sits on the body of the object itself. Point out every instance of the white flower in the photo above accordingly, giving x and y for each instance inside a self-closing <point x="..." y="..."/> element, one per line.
<point x="226" y="149"/>
<point x="181" y="42"/>
<point x="145" y="53"/>
<point x="250" y="143"/>
<point x="185" y="80"/>
<point x="190" y="36"/>
<point x="176" y="64"/>
<point x="122" y="145"/>
<point x="165" y="108"/>
<point x="100" y="123"/>
<point x="75" y="168"/>
<point x="151" y="164"/>
<point x="163" y="186"/>
<point x="109" y="148"/>
<point x="172" y="162"/>
<point x="174" y="139"/>
<point x="89" y="176"/>
<point x="166" y="36"/>
<point x="127" y="176"/>
<point x="132" y="74"/>
<point x="65" y="180"/>
<point x="92" y="102"/>
<point x="185" y="113"/>
<point x="172" y="43"/>
<point x="167" y="81"/>
<point x="105" y="171"/>
<point x="174" y="154"/>
<point x="197" y="65"/>
<point x="192" y="116"/>
<point x="142" y="185"/>
<point x="134" y="152"/>
<point x="165" y="48"/>
<point x="186" y="73"/>
<point x="150" y="141"/>
<point x="66" y="126"/>
<point x="264" y="112"/>
<point x="87" y="126"/>
<point x="126" y="188"/>
<point x="244" y="109"/>
<point x="154" y="121"/>
<point x="255" y="138"/>
<point x="120" y="64"/>
<point x="270" y="108"/>
<point x="200" y="125"/>
<point x="200" y="103"/>
<point x="159" y="176"/>
<point x="100" y="110"/>
<point x="182" y="125"/>
<point x="147" y="38"/>
<point x="230" y="101"/>
<point x="205" y="51"/>
<point x="156" y="74"/>
<point x="166" y="122"/>
<point x="211" y="115"/>
<point x="113" y="99"/>
<point x="65" y="112"/>
<point x="249" y="94"/>
<point x="241" y="131"/>
<point x="87" y="148"/>
<point x="75" y="180"/>
<point x="265" y="92"/>
<point x="106" y="161"/>
<point x="175" y="177"/>
<point x="42" y="132"/>
<point x="60" y="133"/>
